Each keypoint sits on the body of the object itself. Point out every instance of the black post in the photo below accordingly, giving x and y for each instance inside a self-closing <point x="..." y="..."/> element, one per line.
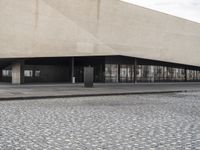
<point x="1" y="76"/>
<point x="119" y="73"/>
<point x="163" y="74"/>
<point x="72" y="73"/>
<point x="135" y="70"/>
<point x="186" y="74"/>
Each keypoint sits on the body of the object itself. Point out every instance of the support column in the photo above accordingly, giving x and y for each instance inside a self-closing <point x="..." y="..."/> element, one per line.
<point x="135" y="70"/>
<point x="18" y="72"/>
<point x="72" y="66"/>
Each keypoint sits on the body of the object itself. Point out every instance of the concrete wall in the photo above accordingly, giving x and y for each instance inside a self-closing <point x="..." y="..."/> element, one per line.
<point x="18" y="73"/>
<point x="46" y="28"/>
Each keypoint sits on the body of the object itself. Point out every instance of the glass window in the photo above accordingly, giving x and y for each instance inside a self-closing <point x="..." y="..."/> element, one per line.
<point x="114" y="73"/>
<point x="129" y="73"/>
<point x="158" y="73"/>
<point x="191" y="75"/>
<point x="133" y="72"/>
<point x="6" y="73"/>
<point x="37" y="73"/>
<point x="161" y="72"/>
<point x="111" y="73"/>
<point x="28" y="73"/>
<point x="126" y="73"/>
<point x="139" y="71"/>
<point x="181" y="75"/>
<point x="123" y="73"/>
<point x="107" y="73"/>
<point x="198" y="75"/>
<point x="195" y="75"/>
<point x="169" y="73"/>
<point x="164" y="73"/>
<point x="143" y="73"/>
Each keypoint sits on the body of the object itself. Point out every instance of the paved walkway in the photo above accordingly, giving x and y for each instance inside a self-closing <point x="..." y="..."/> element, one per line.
<point x="132" y="122"/>
<point x="33" y="91"/>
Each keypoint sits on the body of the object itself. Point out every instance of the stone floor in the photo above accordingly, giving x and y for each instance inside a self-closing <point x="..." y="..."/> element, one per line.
<point x="167" y="121"/>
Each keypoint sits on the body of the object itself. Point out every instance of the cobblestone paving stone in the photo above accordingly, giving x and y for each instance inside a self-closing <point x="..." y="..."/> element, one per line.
<point x="167" y="121"/>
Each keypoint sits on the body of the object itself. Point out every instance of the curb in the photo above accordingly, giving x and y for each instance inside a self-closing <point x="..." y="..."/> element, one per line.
<point x="87" y="95"/>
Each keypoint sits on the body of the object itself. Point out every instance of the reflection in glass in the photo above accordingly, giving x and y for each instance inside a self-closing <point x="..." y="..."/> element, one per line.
<point x="148" y="73"/>
<point x="123" y="73"/>
<point x="114" y="73"/>
<point x="111" y="73"/>
<point x="28" y="73"/>
<point x="6" y="73"/>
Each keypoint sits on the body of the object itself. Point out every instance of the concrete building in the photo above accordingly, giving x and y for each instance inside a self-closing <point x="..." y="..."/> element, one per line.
<point x="52" y="41"/>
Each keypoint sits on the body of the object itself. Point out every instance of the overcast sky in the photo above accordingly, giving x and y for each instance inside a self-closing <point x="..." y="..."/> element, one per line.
<point x="188" y="9"/>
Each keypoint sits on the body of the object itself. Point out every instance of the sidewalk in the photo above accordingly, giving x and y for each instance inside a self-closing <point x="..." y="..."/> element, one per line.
<point x="37" y="91"/>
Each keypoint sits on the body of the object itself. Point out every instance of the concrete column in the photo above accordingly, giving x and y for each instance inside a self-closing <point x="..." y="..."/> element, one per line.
<point x="18" y="72"/>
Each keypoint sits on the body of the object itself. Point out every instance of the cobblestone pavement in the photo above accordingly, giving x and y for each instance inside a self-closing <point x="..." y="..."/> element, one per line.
<point x="167" y="121"/>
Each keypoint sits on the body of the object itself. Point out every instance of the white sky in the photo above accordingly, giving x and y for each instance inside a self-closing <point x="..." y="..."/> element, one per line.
<point x="188" y="9"/>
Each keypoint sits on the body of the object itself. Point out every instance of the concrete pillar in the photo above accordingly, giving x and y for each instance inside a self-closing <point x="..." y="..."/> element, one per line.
<point x="18" y="72"/>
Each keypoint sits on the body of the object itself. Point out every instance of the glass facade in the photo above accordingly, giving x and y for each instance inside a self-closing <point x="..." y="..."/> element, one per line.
<point x="119" y="73"/>
<point x="126" y="73"/>
<point x="111" y="73"/>
<point x="109" y="69"/>
<point x="193" y="75"/>
<point x="148" y="73"/>
<point x="143" y="73"/>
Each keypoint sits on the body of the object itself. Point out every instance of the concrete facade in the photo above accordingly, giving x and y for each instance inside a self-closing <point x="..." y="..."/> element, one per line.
<point x="49" y="28"/>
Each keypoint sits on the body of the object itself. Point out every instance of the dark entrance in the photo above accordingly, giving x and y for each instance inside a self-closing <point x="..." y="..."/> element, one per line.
<point x="98" y="63"/>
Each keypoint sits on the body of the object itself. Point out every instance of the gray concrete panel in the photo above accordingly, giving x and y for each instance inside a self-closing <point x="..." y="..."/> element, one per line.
<point x="88" y="76"/>
<point x="49" y="28"/>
